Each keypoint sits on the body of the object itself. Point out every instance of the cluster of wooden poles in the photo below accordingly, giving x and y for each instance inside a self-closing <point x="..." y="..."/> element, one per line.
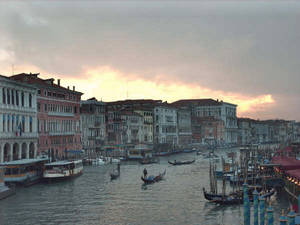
<point x="259" y="211"/>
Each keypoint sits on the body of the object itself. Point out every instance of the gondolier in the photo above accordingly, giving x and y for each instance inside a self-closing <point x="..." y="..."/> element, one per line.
<point x="145" y="173"/>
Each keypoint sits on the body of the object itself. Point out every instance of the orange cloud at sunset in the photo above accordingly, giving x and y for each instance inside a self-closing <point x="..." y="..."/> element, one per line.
<point x="108" y="84"/>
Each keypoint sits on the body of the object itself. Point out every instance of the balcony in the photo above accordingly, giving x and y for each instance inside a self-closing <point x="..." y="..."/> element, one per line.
<point x="52" y="133"/>
<point x="14" y="136"/>
<point x="63" y="114"/>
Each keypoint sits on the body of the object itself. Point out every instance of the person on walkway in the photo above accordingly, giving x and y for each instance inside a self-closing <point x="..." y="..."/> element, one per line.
<point x="145" y="173"/>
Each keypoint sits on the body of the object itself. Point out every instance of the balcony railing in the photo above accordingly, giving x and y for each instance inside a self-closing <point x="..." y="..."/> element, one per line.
<point x="52" y="133"/>
<point x="64" y="114"/>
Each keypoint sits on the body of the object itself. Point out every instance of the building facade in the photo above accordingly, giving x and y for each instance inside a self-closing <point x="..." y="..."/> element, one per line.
<point x="184" y="127"/>
<point x="18" y="126"/>
<point x="58" y="116"/>
<point x="132" y="128"/>
<point x="165" y="125"/>
<point x="147" y="115"/>
<point x="93" y="126"/>
<point x="203" y="108"/>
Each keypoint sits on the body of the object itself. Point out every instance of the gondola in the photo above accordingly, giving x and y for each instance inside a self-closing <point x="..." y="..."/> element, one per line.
<point x="175" y="163"/>
<point x="148" y="161"/>
<point x="114" y="175"/>
<point x="152" y="179"/>
<point x="209" y="196"/>
<point x="234" y="198"/>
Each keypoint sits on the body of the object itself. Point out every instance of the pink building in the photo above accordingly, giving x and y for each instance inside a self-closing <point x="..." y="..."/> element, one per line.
<point x="58" y="116"/>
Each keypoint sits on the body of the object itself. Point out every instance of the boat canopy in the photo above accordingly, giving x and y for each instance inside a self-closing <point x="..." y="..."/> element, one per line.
<point x="286" y="163"/>
<point x="294" y="173"/>
<point x="62" y="163"/>
<point x="23" y="161"/>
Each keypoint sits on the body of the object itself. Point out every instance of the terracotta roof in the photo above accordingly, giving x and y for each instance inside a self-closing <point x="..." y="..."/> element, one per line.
<point x="196" y="102"/>
<point x="133" y="101"/>
<point x="32" y="78"/>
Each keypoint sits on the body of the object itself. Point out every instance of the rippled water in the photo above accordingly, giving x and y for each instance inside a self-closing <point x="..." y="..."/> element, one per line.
<point x="93" y="199"/>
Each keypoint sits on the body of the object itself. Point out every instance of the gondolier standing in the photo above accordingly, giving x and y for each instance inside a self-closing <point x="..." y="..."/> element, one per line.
<point x="145" y="173"/>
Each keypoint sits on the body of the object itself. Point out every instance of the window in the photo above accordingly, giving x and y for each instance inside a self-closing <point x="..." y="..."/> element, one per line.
<point x="75" y="109"/>
<point x="8" y="123"/>
<point x="3" y="96"/>
<point x="17" y="97"/>
<point x="23" y="123"/>
<point x="38" y="107"/>
<point x="22" y="99"/>
<point x="30" y="124"/>
<point x="39" y="92"/>
<point x="13" y="122"/>
<point x="30" y="100"/>
<point x="8" y="96"/>
<point x="45" y="107"/>
<point x="13" y="97"/>
<point x="3" y="123"/>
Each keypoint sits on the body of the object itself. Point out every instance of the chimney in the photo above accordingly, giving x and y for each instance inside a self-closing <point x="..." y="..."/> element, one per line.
<point x="73" y="88"/>
<point x="68" y="87"/>
<point x="58" y="82"/>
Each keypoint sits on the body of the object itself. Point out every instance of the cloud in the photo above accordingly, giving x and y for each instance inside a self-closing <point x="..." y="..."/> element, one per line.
<point x="249" y="50"/>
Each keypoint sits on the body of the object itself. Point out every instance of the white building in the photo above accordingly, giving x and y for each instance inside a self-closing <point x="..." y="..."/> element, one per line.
<point x="18" y="126"/>
<point x="204" y="108"/>
<point x="165" y="125"/>
<point x="93" y="126"/>
<point x="132" y="127"/>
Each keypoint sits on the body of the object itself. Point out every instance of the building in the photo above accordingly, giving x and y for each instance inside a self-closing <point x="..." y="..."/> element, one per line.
<point x="58" y="114"/>
<point x="147" y="115"/>
<point x="165" y="125"/>
<point x="184" y="127"/>
<point x="132" y="128"/>
<point x="143" y="107"/>
<point x="18" y="126"/>
<point x="219" y="110"/>
<point x="245" y="131"/>
<point x="93" y="125"/>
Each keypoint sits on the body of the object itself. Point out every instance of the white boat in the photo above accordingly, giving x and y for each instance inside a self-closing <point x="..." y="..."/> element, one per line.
<point x="24" y="171"/>
<point x="111" y="160"/>
<point x="98" y="161"/>
<point x="61" y="170"/>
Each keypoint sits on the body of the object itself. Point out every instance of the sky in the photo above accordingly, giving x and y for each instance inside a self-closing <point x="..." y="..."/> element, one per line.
<point x="242" y="52"/>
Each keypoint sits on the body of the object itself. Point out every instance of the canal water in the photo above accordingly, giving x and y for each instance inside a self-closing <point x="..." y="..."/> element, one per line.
<point x="93" y="199"/>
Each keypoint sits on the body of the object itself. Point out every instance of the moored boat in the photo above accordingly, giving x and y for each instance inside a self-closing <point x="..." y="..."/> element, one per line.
<point x="5" y="191"/>
<point x="24" y="171"/>
<point x="61" y="170"/>
<point x="175" y="163"/>
<point x="148" y="160"/>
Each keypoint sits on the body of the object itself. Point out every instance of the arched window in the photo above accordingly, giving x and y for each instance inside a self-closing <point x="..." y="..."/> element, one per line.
<point x="8" y="96"/>
<point x="3" y="96"/>
<point x="30" y="100"/>
<point x="22" y="99"/>
<point x="3" y="123"/>
<point x="23" y="123"/>
<point x="17" y="97"/>
<point x="8" y="123"/>
<point x="30" y="124"/>
<point x="13" y="97"/>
